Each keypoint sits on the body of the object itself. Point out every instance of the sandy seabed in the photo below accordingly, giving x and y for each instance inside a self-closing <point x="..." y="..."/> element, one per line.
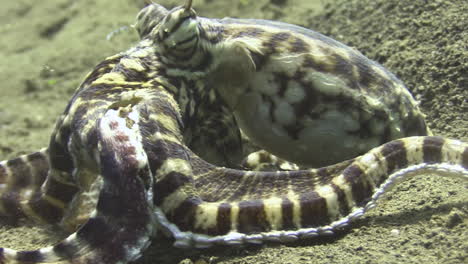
<point x="47" y="47"/>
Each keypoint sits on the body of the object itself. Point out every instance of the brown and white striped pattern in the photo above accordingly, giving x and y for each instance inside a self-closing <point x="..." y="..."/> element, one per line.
<point x="125" y="128"/>
<point x="127" y="182"/>
<point x="21" y="195"/>
<point x="257" y="206"/>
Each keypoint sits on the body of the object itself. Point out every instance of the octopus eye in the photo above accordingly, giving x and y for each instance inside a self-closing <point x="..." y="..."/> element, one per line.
<point x="148" y="18"/>
<point x="179" y="31"/>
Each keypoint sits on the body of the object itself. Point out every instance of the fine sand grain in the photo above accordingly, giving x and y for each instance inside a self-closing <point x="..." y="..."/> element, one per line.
<point x="47" y="47"/>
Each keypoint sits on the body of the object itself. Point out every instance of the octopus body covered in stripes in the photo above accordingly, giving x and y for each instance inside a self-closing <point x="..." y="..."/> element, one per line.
<point x="153" y="140"/>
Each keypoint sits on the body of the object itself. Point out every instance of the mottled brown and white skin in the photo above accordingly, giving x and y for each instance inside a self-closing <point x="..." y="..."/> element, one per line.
<point x="151" y="141"/>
